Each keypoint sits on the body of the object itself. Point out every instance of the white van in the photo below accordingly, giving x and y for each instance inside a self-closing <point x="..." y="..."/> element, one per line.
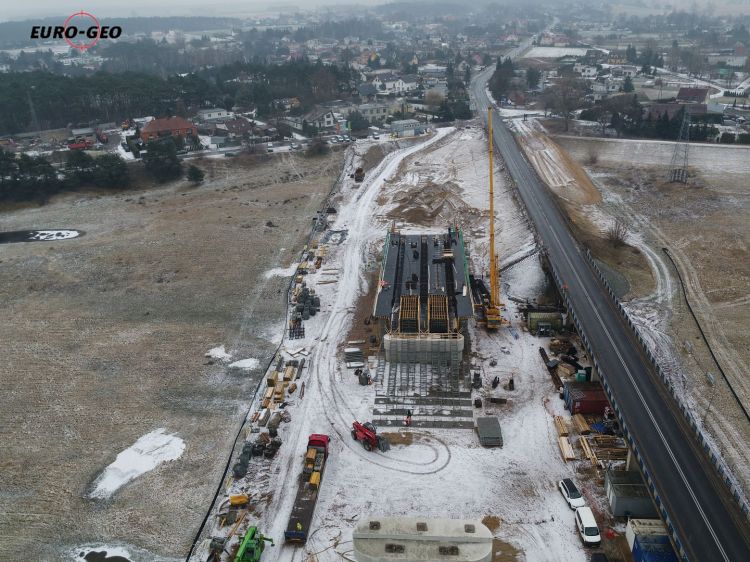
<point x="587" y="528"/>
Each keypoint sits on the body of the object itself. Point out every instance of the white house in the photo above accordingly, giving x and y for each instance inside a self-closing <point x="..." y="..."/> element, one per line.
<point x="388" y="83"/>
<point x="411" y="82"/>
<point x="214" y="113"/>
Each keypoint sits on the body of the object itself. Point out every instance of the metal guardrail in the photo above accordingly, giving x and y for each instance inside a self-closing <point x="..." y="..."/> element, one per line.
<point x="712" y="454"/>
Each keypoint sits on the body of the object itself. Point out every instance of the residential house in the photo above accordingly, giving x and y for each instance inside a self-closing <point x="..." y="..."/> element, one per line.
<point x="617" y="57"/>
<point x="367" y="90"/>
<point x="168" y="126"/>
<point x="657" y="110"/>
<point x="320" y="118"/>
<point x="373" y="112"/>
<point x="692" y="95"/>
<point x="411" y="82"/>
<point x="585" y="70"/>
<point x="214" y="113"/>
<point x="388" y="83"/>
<point x="623" y="70"/>
<point x="432" y="70"/>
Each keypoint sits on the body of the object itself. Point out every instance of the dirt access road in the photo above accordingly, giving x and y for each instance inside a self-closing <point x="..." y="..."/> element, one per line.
<point x="104" y="340"/>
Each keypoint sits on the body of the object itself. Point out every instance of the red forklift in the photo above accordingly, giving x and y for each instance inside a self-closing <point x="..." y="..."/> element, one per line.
<point x="366" y="434"/>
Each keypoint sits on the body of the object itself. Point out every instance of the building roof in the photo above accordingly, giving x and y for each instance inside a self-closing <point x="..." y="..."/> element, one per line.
<point x="367" y="89"/>
<point x="390" y="77"/>
<point x="410" y="78"/>
<point x="211" y="110"/>
<point x="167" y="124"/>
<point x="657" y="110"/>
<point x="697" y="95"/>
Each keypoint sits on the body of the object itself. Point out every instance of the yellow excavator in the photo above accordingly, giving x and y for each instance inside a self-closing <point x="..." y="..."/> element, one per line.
<point x="493" y="318"/>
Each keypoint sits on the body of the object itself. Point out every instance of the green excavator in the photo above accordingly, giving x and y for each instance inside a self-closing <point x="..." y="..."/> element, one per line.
<point x="252" y="546"/>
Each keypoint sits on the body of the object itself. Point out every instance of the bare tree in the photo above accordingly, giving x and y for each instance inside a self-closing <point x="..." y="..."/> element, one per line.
<point x="604" y="118"/>
<point x="433" y="99"/>
<point x="593" y="156"/>
<point x="617" y="233"/>
<point x="565" y="96"/>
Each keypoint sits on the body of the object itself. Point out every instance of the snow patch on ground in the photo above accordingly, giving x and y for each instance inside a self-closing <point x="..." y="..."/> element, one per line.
<point x="249" y="363"/>
<point x="218" y="353"/>
<point x="281" y="271"/>
<point x="54" y="235"/>
<point x="144" y="455"/>
<point x="110" y="551"/>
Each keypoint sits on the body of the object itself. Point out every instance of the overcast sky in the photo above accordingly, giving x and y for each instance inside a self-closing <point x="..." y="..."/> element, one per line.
<point x="10" y="10"/>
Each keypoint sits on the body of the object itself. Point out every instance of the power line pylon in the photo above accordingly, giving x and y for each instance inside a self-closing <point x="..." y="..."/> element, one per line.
<point x="678" y="168"/>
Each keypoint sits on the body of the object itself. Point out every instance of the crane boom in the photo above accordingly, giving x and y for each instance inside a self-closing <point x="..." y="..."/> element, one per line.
<point x="492" y="310"/>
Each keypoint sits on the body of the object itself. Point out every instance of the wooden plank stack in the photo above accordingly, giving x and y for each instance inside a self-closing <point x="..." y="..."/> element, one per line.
<point x="588" y="451"/>
<point x="561" y="426"/>
<point x="581" y="425"/>
<point x="566" y="449"/>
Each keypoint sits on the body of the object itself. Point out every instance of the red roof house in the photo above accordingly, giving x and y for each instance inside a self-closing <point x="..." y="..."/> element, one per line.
<point x="168" y="126"/>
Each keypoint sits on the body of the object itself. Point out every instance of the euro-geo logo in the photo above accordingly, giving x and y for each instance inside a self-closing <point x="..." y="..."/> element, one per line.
<point x="81" y="31"/>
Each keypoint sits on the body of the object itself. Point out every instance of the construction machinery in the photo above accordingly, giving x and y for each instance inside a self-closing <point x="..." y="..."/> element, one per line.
<point x="359" y="175"/>
<point x="303" y="510"/>
<point x="366" y="434"/>
<point x="252" y="546"/>
<point x="492" y="316"/>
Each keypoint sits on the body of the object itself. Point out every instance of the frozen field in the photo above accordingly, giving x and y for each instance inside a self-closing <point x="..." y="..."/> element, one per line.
<point x="106" y="387"/>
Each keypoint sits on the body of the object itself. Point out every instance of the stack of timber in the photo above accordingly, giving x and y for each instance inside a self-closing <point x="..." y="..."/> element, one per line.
<point x="588" y="451"/>
<point x="561" y="426"/>
<point x="609" y="447"/>
<point x="581" y="425"/>
<point x="566" y="449"/>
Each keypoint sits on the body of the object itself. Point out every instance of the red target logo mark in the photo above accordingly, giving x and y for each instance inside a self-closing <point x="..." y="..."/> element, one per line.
<point x="69" y="35"/>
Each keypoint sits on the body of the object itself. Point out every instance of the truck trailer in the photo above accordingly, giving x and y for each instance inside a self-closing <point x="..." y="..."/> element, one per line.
<point x="303" y="510"/>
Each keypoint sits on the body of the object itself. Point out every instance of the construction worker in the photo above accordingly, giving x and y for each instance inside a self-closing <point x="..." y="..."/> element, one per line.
<point x="302" y="391"/>
<point x="299" y="526"/>
<point x="408" y="418"/>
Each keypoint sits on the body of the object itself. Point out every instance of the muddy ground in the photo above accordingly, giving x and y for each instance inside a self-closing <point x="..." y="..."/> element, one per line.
<point x="104" y="340"/>
<point x="704" y="226"/>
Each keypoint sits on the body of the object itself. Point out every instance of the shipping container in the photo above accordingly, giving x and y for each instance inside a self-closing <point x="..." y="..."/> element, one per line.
<point x="647" y="527"/>
<point x="653" y="549"/>
<point x="585" y="398"/>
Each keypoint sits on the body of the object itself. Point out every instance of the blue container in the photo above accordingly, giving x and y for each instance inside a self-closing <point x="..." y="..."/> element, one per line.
<point x="653" y="548"/>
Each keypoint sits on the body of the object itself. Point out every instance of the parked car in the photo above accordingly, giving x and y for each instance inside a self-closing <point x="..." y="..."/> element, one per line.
<point x="571" y="494"/>
<point x="294" y="146"/>
<point x="587" y="528"/>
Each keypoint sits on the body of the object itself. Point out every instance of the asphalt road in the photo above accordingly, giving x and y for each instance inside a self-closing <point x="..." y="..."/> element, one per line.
<point x="708" y="524"/>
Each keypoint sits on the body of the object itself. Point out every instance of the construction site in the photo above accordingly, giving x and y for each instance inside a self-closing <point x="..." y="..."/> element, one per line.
<point x="417" y="351"/>
<point x="454" y="372"/>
